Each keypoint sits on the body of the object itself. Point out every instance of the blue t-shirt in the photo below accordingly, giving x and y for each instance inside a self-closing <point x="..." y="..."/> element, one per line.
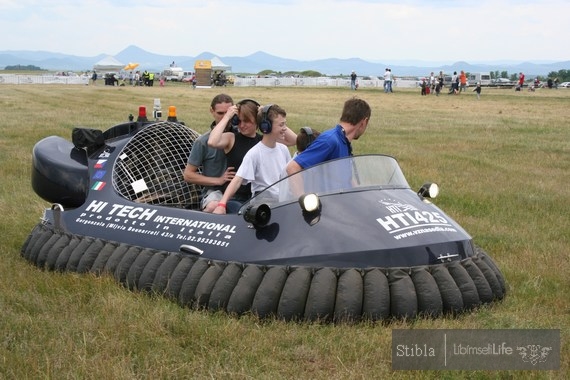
<point x="329" y="145"/>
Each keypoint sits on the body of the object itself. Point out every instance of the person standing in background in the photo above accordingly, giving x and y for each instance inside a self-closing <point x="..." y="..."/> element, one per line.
<point x="388" y="80"/>
<point x="462" y="81"/>
<point x="521" y="81"/>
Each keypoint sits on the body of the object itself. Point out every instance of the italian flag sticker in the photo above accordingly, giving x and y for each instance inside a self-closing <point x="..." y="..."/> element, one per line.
<point x="98" y="185"/>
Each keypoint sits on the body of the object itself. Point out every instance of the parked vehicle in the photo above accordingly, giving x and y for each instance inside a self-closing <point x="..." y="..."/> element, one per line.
<point x="502" y="82"/>
<point x="189" y="77"/>
<point x="173" y="73"/>
<point x="483" y="78"/>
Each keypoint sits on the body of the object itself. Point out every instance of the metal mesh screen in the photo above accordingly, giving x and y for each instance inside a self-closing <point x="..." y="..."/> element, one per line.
<point x="149" y="168"/>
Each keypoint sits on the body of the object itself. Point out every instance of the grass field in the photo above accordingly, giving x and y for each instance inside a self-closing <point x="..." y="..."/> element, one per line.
<point x="503" y="166"/>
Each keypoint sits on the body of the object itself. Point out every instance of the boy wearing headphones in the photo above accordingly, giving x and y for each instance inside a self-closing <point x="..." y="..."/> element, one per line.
<point x="263" y="164"/>
<point x="305" y="138"/>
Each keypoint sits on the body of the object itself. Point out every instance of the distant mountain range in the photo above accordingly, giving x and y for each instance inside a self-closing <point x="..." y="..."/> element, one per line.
<point x="257" y="62"/>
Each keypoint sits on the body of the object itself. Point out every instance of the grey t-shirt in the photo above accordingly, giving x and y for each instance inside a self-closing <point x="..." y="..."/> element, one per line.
<point x="211" y="160"/>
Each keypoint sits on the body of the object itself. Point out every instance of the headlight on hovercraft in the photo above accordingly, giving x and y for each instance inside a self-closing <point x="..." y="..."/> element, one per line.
<point x="258" y="215"/>
<point x="311" y="206"/>
<point x="429" y="190"/>
<point x="310" y="202"/>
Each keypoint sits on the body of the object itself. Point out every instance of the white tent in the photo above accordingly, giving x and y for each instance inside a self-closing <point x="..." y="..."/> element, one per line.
<point x="218" y="65"/>
<point x="108" y="64"/>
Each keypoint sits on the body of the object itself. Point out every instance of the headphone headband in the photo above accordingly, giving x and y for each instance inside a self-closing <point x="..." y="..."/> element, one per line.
<point x="247" y="100"/>
<point x="310" y="138"/>
<point x="235" y="119"/>
<point x="265" y="109"/>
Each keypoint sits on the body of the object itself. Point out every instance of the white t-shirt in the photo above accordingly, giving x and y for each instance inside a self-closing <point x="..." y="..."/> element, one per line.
<point x="263" y="166"/>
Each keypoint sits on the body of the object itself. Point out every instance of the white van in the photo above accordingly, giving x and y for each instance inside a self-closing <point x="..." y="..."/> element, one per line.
<point x="173" y="73"/>
<point x="483" y="78"/>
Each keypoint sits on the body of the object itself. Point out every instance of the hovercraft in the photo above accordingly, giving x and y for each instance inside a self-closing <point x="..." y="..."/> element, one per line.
<point x="344" y="240"/>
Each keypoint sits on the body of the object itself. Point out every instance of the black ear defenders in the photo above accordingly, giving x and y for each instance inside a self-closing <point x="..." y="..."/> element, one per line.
<point x="235" y="119"/>
<point x="265" y="124"/>
<point x="310" y="136"/>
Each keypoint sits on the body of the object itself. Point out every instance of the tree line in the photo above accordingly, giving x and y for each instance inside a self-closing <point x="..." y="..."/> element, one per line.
<point x="562" y="75"/>
<point x="23" y="68"/>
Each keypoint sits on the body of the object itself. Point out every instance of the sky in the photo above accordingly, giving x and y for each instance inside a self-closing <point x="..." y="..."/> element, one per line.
<point x="388" y="31"/>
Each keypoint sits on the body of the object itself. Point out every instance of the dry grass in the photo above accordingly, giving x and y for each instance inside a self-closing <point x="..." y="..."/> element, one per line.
<point x="502" y="163"/>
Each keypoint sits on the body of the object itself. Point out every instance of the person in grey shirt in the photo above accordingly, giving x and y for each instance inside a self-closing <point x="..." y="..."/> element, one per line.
<point x="207" y="166"/>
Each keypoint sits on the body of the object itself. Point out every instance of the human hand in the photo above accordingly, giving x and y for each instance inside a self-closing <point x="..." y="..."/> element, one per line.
<point x="220" y="210"/>
<point x="228" y="175"/>
<point x="233" y="110"/>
